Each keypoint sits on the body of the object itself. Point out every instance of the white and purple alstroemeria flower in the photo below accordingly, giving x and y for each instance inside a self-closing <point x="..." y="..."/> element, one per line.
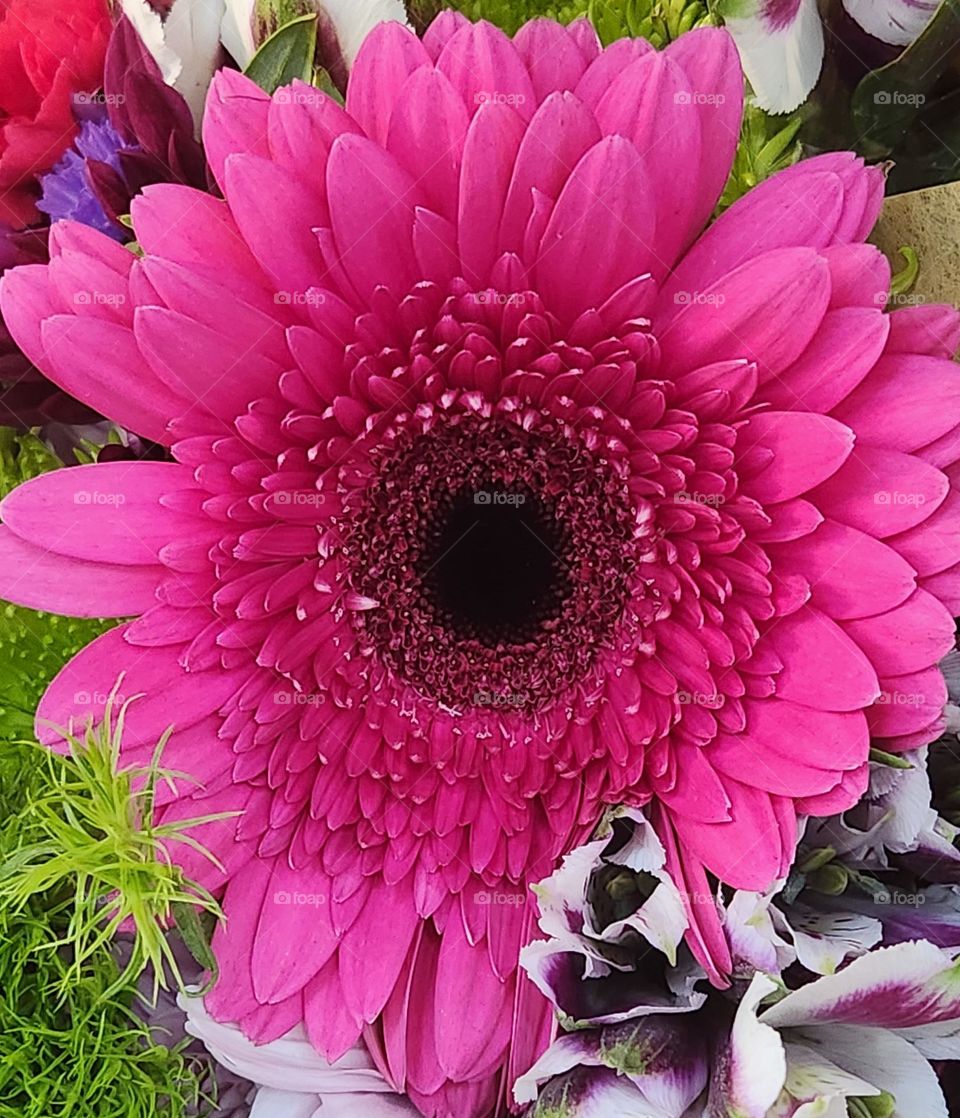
<point x="588" y="967"/>
<point x="867" y="1032"/>
<point x="781" y="41"/>
<point x="895" y="817"/>
<point x="654" y="1067"/>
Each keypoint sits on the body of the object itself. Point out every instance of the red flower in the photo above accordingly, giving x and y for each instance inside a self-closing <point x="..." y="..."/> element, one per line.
<point x="48" y="52"/>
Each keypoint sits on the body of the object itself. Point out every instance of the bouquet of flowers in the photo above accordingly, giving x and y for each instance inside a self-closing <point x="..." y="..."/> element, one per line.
<point x="480" y="543"/>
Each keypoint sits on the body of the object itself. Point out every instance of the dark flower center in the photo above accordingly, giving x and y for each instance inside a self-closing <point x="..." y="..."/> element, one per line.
<point x="493" y="564"/>
<point x="498" y="552"/>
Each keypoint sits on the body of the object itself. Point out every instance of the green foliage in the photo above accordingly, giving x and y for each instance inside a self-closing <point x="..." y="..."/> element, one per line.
<point x="660" y="21"/>
<point x="22" y="457"/>
<point x="90" y="829"/>
<point x="287" y="54"/>
<point x="767" y="144"/>
<point x="73" y="831"/>
<point x="33" y="648"/>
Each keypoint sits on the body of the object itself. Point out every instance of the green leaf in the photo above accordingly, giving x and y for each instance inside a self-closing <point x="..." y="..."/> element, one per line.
<point x="887" y="101"/>
<point x="286" y="55"/>
<point x="196" y="938"/>
<point x="878" y="756"/>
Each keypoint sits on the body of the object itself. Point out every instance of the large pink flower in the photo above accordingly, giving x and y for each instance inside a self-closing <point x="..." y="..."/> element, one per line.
<point x="498" y="496"/>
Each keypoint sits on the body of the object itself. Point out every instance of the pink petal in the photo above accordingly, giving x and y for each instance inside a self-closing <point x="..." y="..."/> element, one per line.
<point x="928" y="328"/>
<point x="303" y="119"/>
<point x="100" y="364"/>
<point x="171" y="696"/>
<point x="389" y="55"/>
<point x="27" y="299"/>
<point x="489" y="155"/>
<point x="804" y="449"/>
<point x="850" y="789"/>
<point x="483" y="64"/>
<point x="851" y="574"/>
<point x="711" y="63"/>
<point x="463" y="1038"/>
<point x="295" y="934"/>
<point x="257" y="190"/>
<point x="431" y="140"/>
<point x="442" y="30"/>
<point x="848" y="344"/>
<point x="390" y="919"/>
<point x="551" y="55"/>
<point x="213" y="367"/>
<point x="933" y="545"/>
<point x="600" y="234"/>
<point x="650" y="104"/>
<point x="767" y="311"/>
<point x="745" y="852"/>
<point x="372" y="203"/>
<point x="111" y="512"/>
<point x="39" y="579"/>
<point x="607" y="66"/>
<point x="908" y="702"/>
<point x="859" y="276"/>
<point x="234" y="120"/>
<point x="233" y="997"/>
<point x="882" y="492"/>
<point x="904" y="403"/>
<point x="822" y="668"/>
<point x="562" y="131"/>
<point x="946" y="587"/>
<point x="906" y="639"/>
<point x="198" y="231"/>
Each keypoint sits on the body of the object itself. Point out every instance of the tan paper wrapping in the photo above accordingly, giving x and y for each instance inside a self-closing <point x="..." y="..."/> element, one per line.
<point x="929" y="222"/>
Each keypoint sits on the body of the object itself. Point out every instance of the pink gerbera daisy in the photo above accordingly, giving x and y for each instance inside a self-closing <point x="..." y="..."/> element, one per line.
<point x="497" y="496"/>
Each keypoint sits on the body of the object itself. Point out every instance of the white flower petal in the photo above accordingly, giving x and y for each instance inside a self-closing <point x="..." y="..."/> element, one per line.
<point x="355" y="19"/>
<point x="192" y="32"/>
<point x="289" y="1064"/>
<point x="897" y="22"/>
<point x="781" y="48"/>
<point x="892" y="987"/>
<point x="751" y="1069"/>
<point x="236" y="31"/>
<point x="823" y="940"/>
<point x="890" y="1063"/>
<point x="149" y="26"/>
<point x="271" y="1103"/>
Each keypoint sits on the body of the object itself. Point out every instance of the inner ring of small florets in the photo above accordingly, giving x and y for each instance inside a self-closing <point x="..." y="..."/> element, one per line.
<point x="499" y="552"/>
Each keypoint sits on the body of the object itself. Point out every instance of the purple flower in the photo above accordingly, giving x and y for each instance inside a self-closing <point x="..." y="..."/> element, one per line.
<point x="68" y="190"/>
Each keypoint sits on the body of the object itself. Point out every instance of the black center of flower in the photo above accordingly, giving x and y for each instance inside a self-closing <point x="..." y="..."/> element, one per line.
<point x="498" y="557"/>
<point x="493" y="564"/>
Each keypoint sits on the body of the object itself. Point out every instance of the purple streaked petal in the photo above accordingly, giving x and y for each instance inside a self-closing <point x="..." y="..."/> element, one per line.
<point x="781" y="48"/>
<point x="891" y="988"/>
